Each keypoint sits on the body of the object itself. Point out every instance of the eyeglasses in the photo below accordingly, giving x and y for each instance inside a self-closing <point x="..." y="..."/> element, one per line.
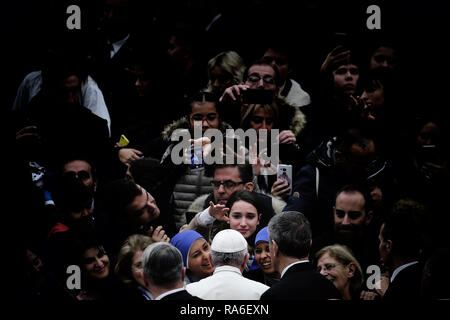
<point x="328" y="267"/>
<point x="200" y="117"/>
<point x="228" y="184"/>
<point x="255" y="78"/>
<point x="259" y="120"/>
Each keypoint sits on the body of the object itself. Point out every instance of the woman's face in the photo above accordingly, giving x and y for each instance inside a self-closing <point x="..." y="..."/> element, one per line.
<point x="96" y="263"/>
<point x="261" y="119"/>
<point x="263" y="258"/>
<point x="198" y="262"/>
<point x="220" y="80"/>
<point x="244" y="218"/>
<point x="338" y="273"/>
<point x="136" y="268"/>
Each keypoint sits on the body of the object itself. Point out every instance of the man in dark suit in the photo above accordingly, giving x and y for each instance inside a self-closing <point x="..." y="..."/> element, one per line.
<point x="290" y="242"/>
<point x="399" y="251"/>
<point x="164" y="272"/>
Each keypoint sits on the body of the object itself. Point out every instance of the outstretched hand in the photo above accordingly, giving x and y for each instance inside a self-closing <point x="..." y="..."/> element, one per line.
<point x="219" y="211"/>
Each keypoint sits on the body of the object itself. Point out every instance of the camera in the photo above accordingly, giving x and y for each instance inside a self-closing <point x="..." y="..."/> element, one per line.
<point x="257" y="96"/>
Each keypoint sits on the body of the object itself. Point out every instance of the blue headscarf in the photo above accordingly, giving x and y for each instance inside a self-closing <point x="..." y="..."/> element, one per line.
<point x="183" y="242"/>
<point x="262" y="235"/>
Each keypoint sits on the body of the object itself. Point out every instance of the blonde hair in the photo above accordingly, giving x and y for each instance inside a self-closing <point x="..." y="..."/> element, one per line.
<point x="133" y="244"/>
<point x="229" y="61"/>
<point x="248" y="111"/>
<point x="344" y="255"/>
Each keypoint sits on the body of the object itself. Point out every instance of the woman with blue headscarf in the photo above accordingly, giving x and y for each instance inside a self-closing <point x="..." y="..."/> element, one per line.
<point x="263" y="269"/>
<point x="195" y="251"/>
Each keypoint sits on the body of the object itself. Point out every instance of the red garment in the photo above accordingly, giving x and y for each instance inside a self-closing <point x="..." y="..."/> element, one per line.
<point x="58" y="227"/>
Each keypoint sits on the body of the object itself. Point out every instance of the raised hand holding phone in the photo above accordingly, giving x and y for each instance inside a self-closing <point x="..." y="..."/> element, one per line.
<point x="284" y="173"/>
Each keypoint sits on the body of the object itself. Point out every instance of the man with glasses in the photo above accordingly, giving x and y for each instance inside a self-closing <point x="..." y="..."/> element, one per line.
<point x="261" y="85"/>
<point x="259" y="75"/>
<point x="228" y="178"/>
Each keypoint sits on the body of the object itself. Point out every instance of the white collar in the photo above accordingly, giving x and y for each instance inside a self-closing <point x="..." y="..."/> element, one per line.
<point x="396" y="271"/>
<point x="167" y="293"/>
<point x="294" y="263"/>
<point x="227" y="269"/>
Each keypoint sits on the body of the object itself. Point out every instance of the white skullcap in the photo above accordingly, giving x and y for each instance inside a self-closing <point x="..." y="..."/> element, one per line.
<point x="228" y="241"/>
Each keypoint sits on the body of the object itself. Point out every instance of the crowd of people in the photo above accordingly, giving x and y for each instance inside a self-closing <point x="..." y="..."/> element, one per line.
<point x="95" y="184"/>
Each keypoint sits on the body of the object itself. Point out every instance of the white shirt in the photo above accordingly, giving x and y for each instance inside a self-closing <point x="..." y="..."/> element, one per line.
<point x="205" y="219"/>
<point x="167" y="293"/>
<point x="296" y="96"/>
<point x="227" y="283"/>
<point x="91" y="95"/>
<point x="396" y="271"/>
<point x="294" y="263"/>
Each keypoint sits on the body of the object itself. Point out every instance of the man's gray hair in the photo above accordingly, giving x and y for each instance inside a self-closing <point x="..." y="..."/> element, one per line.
<point x="162" y="264"/>
<point x="235" y="259"/>
<point x="292" y="233"/>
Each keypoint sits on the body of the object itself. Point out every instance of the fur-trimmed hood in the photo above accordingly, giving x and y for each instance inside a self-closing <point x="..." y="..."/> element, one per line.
<point x="296" y="96"/>
<point x="291" y="118"/>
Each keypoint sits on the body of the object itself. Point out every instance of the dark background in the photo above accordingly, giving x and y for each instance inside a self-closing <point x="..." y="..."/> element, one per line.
<point x="418" y="26"/>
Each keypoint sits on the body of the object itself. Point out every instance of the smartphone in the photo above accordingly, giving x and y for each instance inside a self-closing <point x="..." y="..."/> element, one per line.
<point x="257" y="96"/>
<point x="123" y="142"/>
<point x="284" y="172"/>
<point x="196" y="157"/>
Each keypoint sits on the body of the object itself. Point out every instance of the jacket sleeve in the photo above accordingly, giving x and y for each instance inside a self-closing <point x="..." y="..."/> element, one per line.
<point x="194" y="224"/>
<point x="303" y="194"/>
